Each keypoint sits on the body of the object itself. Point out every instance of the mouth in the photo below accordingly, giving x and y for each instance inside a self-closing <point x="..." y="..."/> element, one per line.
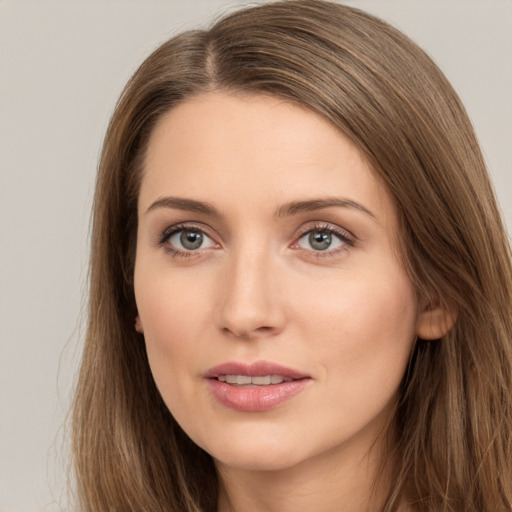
<point x="259" y="373"/>
<point x="252" y="381"/>
<point x="255" y="387"/>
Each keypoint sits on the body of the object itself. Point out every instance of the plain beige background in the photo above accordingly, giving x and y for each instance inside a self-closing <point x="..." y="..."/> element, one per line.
<point x="62" y="66"/>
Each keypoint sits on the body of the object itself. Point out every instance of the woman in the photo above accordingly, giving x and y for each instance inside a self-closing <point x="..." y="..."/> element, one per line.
<point x="300" y="283"/>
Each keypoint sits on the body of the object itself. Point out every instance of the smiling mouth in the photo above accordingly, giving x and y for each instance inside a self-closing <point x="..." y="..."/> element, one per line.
<point x="250" y="381"/>
<point x="255" y="387"/>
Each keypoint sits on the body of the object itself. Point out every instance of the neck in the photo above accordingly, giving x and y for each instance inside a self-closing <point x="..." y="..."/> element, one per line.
<point x="322" y="484"/>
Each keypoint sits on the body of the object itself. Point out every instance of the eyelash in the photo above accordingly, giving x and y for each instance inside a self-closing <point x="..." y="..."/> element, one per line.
<point x="346" y="238"/>
<point x="169" y="232"/>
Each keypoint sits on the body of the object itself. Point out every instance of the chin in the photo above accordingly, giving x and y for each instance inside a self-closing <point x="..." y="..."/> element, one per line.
<point x="258" y="460"/>
<point x="253" y="453"/>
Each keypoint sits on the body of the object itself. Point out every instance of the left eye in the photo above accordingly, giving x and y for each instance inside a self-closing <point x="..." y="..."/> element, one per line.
<point x="321" y="240"/>
<point x="190" y="240"/>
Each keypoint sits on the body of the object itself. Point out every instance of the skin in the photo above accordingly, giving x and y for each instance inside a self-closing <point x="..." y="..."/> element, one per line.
<point x="346" y="317"/>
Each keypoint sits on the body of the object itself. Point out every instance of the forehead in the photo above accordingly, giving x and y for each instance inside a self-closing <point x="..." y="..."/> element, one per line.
<point x="251" y="150"/>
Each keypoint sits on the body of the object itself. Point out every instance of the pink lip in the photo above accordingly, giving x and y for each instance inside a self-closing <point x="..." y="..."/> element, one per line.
<point x="255" y="399"/>
<point x="256" y="369"/>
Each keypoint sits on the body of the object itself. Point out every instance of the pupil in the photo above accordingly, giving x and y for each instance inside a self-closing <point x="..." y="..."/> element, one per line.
<point x="191" y="239"/>
<point x="320" y="240"/>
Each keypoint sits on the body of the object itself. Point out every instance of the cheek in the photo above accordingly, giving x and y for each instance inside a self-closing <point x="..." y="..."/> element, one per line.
<point x="169" y="301"/>
<point x="363" y="331"/>
<point x="172" y="314"/>
<point x="355" y="304"/>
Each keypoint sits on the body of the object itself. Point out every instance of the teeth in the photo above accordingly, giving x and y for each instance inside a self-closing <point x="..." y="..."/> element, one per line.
<point x="247" y="380"/>
<point x="239" y="379"/>
<point x="262" y="381"/>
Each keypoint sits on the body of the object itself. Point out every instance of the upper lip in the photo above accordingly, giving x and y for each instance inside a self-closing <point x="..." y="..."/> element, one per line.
<point x="256" y="369"/>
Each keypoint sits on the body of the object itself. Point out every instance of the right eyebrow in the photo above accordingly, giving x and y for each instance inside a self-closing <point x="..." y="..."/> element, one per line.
<point x="188" y="205"/>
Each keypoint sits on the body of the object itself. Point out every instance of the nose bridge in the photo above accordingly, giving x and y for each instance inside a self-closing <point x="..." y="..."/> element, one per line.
<point x="249" y="305"/>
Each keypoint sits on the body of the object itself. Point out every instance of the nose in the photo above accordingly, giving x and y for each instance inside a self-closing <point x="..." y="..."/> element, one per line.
<point x="250" y="293"/>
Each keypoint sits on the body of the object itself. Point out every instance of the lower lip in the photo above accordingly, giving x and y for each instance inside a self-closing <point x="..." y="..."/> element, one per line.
<point x="256" y="398"/>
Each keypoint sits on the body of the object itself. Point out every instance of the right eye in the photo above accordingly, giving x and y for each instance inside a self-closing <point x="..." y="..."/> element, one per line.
<point x="182" y="240"/>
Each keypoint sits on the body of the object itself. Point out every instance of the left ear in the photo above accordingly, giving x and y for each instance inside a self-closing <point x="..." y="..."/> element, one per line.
<point x="435" y="320"/>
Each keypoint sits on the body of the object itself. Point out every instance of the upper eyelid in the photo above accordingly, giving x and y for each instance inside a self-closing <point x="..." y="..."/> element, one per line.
<point x="164" y="236"/>
<point x="183" y="226"/>
<point x="299" y="233"/>
<point x="168" y="233"/>
<point x="326" y="226"/>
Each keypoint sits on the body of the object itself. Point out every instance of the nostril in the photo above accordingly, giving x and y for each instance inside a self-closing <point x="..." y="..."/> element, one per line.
<point x="245" y="310"/>
<point x="248" y="334"/>
<point x="264" y="329"/>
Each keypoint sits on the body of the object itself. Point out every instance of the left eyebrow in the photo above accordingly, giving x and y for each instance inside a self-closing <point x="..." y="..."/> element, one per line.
<point x="295" y="207"/>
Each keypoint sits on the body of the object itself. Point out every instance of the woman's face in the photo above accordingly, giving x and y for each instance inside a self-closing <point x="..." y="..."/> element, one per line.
<point x="277" y="315"/>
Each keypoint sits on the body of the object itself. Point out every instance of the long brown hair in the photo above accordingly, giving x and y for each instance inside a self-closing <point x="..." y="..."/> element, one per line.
<point x="453" y="424"/>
